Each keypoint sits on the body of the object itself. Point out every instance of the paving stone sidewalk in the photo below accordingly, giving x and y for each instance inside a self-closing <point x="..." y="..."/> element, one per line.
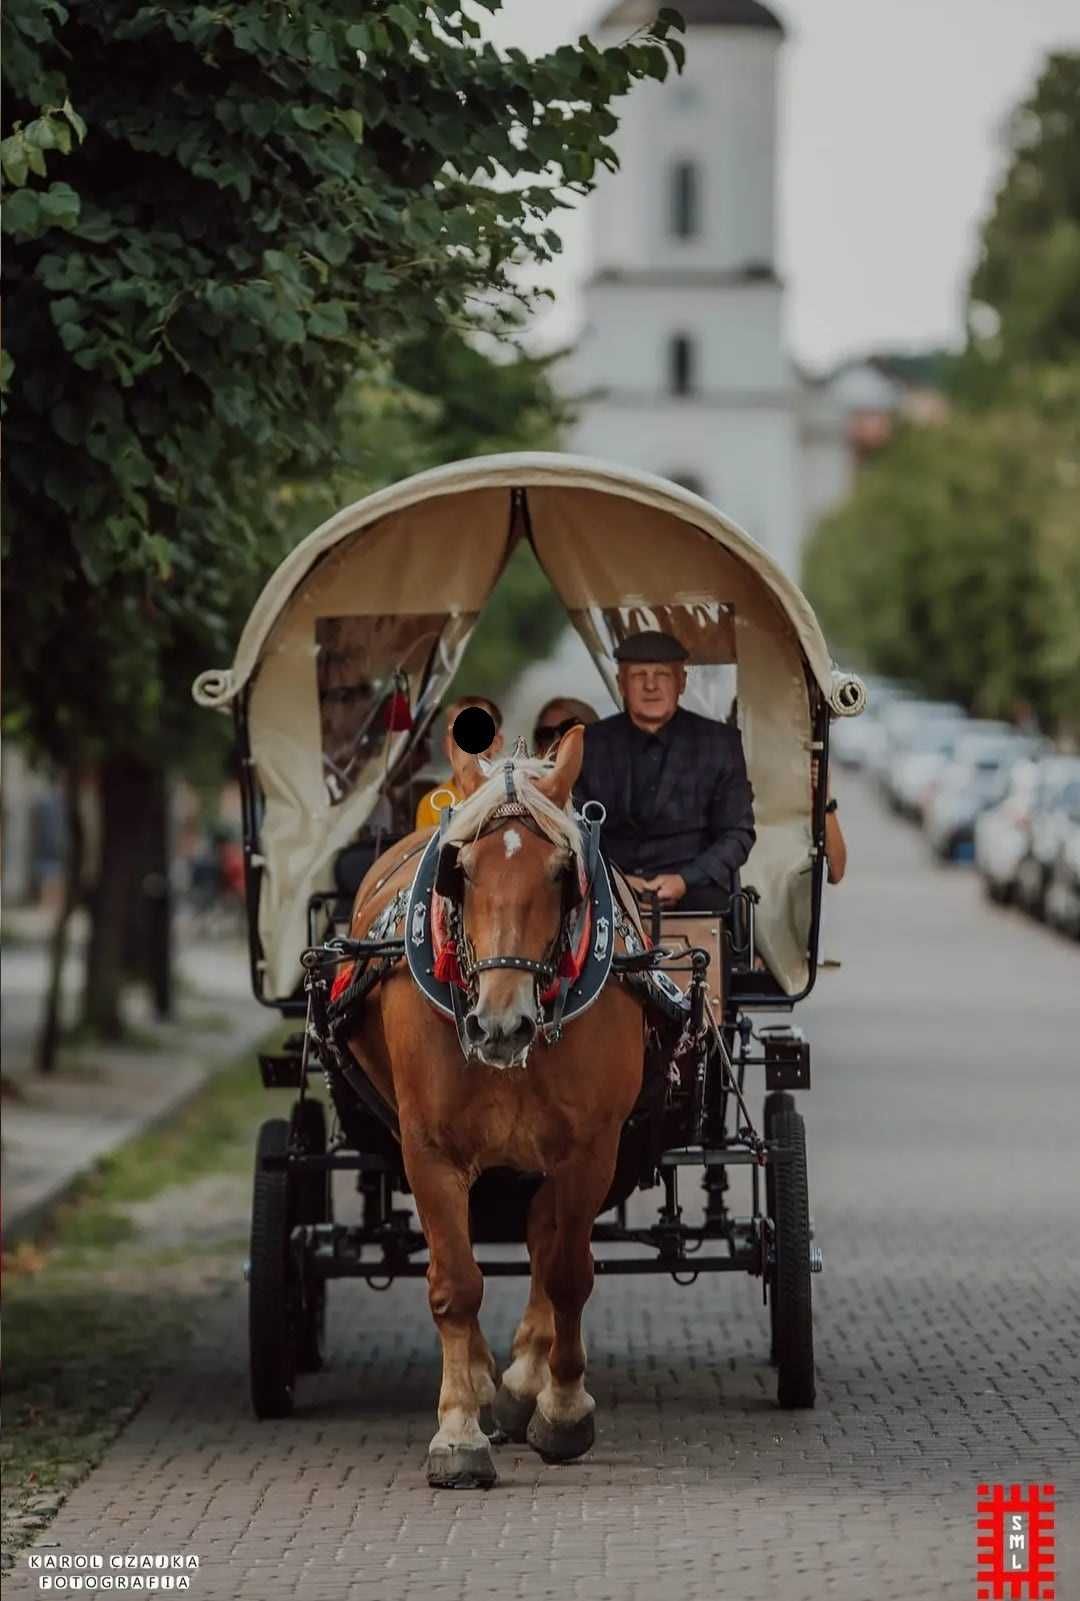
<point x="943" y="1125"/>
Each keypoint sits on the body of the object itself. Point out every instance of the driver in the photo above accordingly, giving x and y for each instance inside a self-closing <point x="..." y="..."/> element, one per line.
<point x="680" y="814"/>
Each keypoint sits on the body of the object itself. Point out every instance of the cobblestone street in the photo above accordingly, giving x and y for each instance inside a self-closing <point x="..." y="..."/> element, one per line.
<point x="943" y="1131"/>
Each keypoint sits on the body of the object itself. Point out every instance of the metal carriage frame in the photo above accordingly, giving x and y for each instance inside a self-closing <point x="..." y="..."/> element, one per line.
<point x="384" y="558"/>
<point x="707" y="1127"/>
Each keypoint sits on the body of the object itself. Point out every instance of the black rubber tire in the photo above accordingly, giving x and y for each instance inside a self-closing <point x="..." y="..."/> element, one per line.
<point x="313" y="1203"/>
<point x="790" y="1288"/>
<point x="273" y="1294"/>
<point x="776" y="1102"/>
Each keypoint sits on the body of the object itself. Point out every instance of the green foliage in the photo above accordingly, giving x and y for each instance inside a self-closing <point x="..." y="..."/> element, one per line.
<point x="222" y="217"/>
<point x="1025" y="291"/>
<point x="956" y="564"/>
<point x="520" y="624"/>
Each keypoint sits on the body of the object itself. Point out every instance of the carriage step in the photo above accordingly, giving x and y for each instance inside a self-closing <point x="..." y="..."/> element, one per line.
<point x="816" y="1262"/>
<point x="280" y="1071"/>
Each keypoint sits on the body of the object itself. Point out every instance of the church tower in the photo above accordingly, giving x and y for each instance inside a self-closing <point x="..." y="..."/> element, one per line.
<point x="681" y="368"/>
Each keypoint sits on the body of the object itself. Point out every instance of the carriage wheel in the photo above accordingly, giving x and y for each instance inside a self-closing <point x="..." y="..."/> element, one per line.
<point x="273" y="1291"/>
<point x="793" y="1329"/>
<point x="314" y="1203"/>
<point x="776" y="1103"/>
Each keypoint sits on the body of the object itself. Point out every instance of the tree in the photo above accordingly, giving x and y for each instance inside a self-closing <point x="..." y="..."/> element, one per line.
<point x="956" y="563"/>
<point x="1024" y="296"/>
<point x="222" y="215"/>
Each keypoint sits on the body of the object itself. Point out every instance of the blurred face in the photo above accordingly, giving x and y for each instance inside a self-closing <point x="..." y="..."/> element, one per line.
<point x="548" y="730"/>
<point x="448" y="739"/>
<point x="651" y="690"/>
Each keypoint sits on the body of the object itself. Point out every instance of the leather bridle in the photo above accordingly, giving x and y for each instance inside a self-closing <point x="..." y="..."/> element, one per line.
<point x="543" y="971"/>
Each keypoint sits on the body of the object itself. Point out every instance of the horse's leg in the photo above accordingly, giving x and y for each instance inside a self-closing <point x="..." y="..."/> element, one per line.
<point x="528" y="1371"/>
<point x="459" y="1456"/>
<point x="562" y="1425"/>
<point x="483" y="1367"/>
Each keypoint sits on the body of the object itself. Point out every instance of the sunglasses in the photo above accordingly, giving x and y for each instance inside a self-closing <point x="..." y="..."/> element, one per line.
<point x="544" y="733"/>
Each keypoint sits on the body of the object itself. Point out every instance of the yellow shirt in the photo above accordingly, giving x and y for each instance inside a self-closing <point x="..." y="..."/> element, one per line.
<point x="427" y="815"/>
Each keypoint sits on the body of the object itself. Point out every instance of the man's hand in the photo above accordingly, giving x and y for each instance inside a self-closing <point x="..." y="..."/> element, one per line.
<point x="636" y="884"/>
<point x="671" y="887"/>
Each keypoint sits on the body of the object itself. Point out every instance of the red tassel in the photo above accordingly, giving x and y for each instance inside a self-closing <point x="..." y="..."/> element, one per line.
<point x="447" y="968"/>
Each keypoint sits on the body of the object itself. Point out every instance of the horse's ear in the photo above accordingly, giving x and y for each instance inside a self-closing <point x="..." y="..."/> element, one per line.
<point x="468" y="774"/>
<point x="558" y="784"/>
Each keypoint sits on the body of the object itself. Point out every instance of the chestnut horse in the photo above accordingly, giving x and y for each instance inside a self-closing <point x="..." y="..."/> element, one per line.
<point x="555" y="1110"/>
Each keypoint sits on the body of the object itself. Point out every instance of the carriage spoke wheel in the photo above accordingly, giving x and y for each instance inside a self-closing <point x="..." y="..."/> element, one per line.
<point x="273" y="1287"/>
<point x="313" y="1203"/>
<point x="789" y="1287"/>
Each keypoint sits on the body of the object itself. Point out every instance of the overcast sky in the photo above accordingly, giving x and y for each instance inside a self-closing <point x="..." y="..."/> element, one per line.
<point x="891" y="121"/>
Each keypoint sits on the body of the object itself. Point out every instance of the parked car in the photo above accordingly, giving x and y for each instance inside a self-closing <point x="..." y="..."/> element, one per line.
<point x="1063" y="890"/>
<point x="1051" y="822"/>
<point x="903" y="719"/>
<point x="1003" y="833"/>
<point x="975" y="780"/>
<point x="921" y="781"/>
<point x="915" y="765"/>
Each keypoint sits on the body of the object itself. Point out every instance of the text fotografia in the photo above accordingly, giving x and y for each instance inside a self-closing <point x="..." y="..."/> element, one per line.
<point x="118" y="1571"/>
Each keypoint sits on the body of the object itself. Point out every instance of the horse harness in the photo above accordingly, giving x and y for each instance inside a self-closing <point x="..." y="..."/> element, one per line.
<point x="440" y="955"/>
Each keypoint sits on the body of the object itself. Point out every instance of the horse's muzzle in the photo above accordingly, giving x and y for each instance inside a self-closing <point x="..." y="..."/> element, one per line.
<point x="500" y="1039"/>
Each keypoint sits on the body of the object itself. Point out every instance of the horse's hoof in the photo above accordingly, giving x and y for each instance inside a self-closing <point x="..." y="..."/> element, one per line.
<point x="512" y="1413"/>
<point x="560" y="1442"/>
<point x="461" y="1467"/>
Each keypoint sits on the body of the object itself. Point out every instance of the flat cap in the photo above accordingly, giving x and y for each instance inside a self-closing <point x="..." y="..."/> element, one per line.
<point x="651" y="646"/>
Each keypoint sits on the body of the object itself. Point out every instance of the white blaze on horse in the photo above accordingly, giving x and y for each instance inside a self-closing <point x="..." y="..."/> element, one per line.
<point x="555" y="1108"/>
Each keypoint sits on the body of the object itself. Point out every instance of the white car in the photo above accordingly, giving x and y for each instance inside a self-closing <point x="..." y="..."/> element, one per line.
<point x="903" y="720"/>
<point x="1003" y="833"/>
<point x="941" y="743"/>
<point x="975" y="780"/>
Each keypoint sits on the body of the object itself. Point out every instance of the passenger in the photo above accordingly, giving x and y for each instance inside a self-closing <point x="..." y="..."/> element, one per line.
<point x="555" y="718"/>
<point x="835" y="844"/>
<point x="427" y="815"/>
<point x="680" y="813"/>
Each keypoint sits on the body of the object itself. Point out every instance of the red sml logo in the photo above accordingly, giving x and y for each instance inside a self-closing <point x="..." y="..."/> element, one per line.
<point x="1015" y="1542"/>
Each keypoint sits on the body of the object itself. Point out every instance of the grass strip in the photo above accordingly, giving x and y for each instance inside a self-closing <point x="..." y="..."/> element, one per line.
<point x="92" y="1316"/>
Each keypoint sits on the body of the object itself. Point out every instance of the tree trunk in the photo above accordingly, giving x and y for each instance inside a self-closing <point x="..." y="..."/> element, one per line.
<point x="128" y="799"/>
<point x="157" y="951"/>
<point x="49" y="1037"/>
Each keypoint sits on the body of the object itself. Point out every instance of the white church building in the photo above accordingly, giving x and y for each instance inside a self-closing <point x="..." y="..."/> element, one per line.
<point x="681" y="368"/>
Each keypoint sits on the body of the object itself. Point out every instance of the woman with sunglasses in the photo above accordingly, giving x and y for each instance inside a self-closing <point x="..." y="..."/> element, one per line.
<point x="555" y="718"/>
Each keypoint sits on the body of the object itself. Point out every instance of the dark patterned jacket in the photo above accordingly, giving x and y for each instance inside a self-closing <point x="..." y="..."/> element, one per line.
<point x="699" y="818"/>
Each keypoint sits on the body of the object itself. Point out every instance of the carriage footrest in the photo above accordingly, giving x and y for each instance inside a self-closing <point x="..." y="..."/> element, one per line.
<point x="280" y="1071"/>
<point x="787" y="1057"/>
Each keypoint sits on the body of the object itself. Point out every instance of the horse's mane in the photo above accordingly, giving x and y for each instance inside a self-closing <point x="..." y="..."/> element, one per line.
<point x="470" y="818"/>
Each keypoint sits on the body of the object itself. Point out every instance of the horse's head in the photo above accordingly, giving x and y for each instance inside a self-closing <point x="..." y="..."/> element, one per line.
<point x="514" y="885"/>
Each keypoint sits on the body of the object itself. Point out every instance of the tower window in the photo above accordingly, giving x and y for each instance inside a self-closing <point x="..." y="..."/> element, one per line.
<point x="685" y="200"/>
<point x="681" y="378"/>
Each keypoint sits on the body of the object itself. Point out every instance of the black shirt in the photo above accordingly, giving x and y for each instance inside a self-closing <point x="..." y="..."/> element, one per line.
<point x="648" y="758"/>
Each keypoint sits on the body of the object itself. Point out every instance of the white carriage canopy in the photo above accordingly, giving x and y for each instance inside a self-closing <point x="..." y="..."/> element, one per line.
<point x="380" y="601"/>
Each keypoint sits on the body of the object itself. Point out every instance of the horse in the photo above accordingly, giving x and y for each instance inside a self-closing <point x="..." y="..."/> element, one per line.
<point x="555" y="1110"/>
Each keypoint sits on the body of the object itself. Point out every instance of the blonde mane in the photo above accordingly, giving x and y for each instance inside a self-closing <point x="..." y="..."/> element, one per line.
<point x="471" y="817"/>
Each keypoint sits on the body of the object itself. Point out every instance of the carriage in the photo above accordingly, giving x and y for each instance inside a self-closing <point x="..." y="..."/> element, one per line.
<point x="334" y="688"/>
